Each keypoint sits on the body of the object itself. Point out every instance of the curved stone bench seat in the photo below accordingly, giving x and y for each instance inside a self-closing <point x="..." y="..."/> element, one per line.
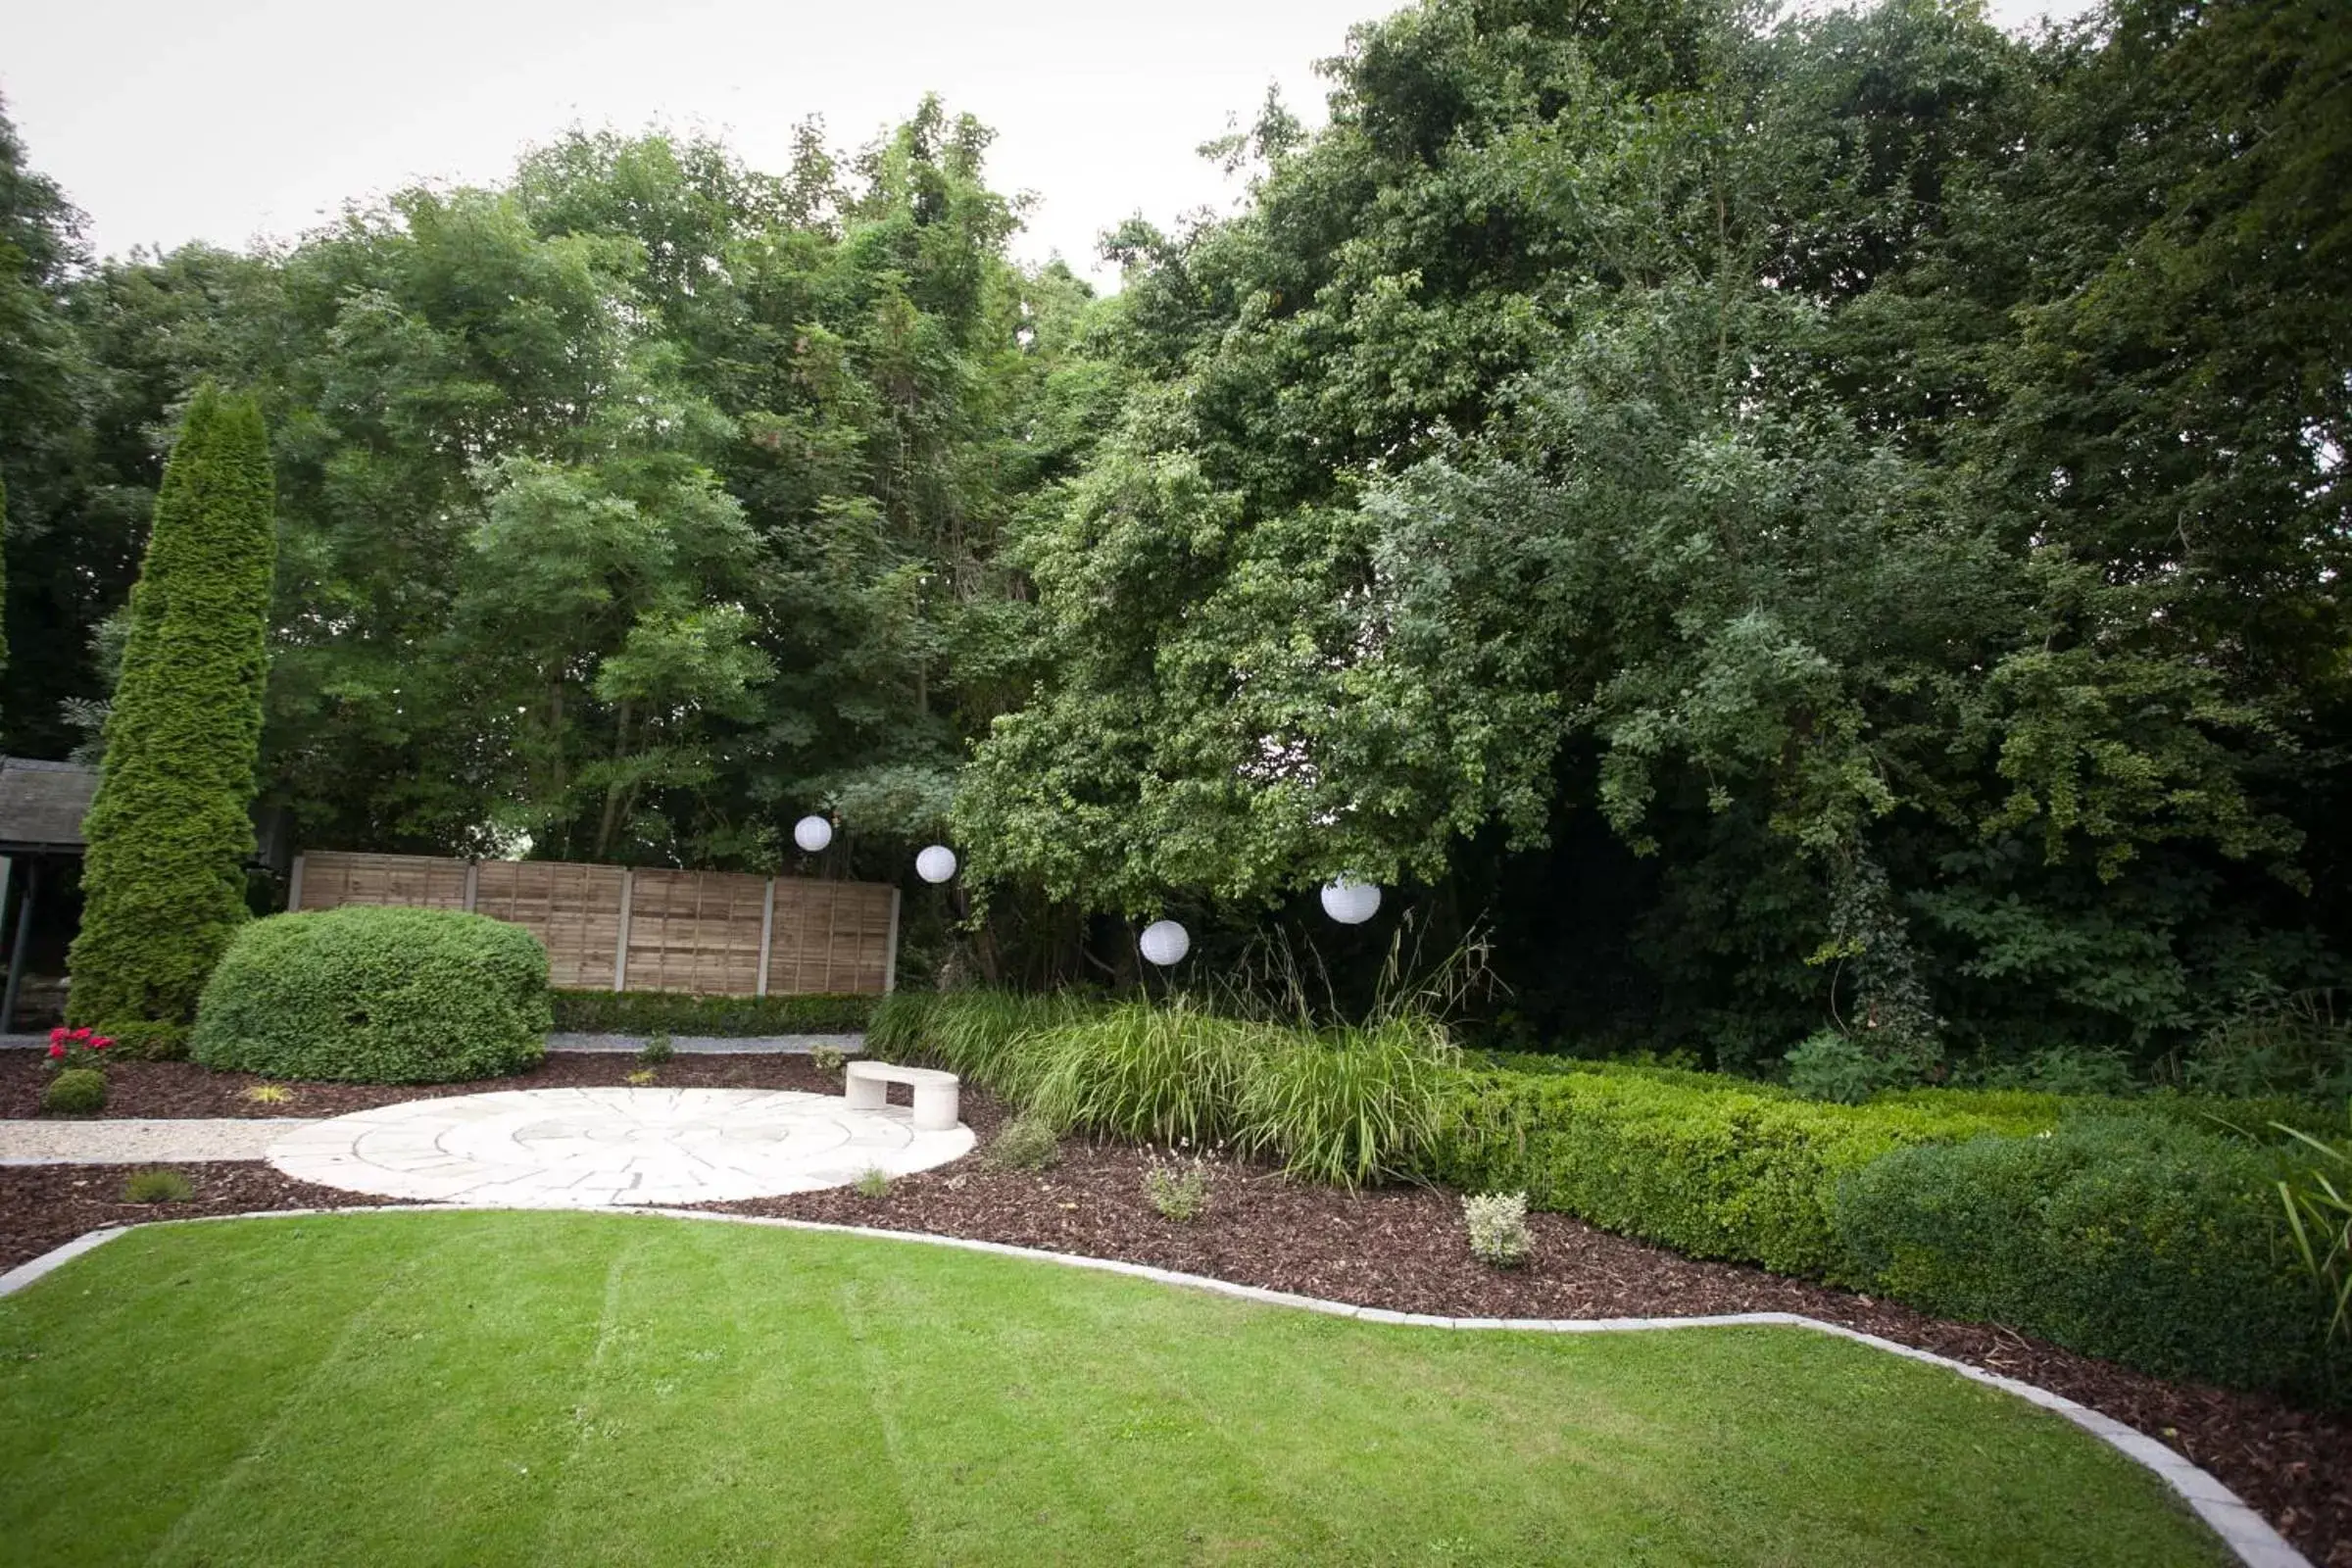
<point x="937" y="1098"/>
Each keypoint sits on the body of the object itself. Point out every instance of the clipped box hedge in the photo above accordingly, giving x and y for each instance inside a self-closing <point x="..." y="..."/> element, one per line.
<point x="1708" y="1166"/>
<point x="646" y="1012"/>
<point x="376" y="995"/>
<point x="2139" y="1239"/>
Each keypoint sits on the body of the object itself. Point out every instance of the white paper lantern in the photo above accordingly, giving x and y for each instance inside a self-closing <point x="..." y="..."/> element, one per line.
<point x="812" y="833"/>
<point x="936" y="863"/>
<point x="1349" y="901"/>
<point x="1165" y="943"/>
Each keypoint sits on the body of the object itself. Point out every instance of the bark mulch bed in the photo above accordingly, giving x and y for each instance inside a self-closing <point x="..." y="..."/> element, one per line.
<point x="176" y="1089"/>
<point x="42" y="1207"/>
<point x="1400" y="1247"/>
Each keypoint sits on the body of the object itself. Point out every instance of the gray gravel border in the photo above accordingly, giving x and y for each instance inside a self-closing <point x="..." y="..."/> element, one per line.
<point x="2244" y="1532"/>
<point x="134" y="1141"/>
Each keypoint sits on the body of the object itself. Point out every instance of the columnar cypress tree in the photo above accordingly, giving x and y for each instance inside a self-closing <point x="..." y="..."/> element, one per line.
<point x="164" y="884"/>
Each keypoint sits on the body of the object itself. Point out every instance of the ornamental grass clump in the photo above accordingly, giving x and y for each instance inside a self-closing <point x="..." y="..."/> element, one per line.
<point x="1027" y="1142"/>
<point x="1348" y="1106"/>
<point x="158" y="1187"/>
<point x="1498" y="1227"/>
<point x="990" y="1038"/>
<point x="1168" y="1075"/>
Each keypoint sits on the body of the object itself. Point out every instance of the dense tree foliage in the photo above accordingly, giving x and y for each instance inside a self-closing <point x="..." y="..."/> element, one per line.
<point x="1836" y="521"/>
<point x="169" y="831"/>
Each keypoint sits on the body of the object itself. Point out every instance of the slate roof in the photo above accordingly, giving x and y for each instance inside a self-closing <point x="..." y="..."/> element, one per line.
<point x="41" y="804"/>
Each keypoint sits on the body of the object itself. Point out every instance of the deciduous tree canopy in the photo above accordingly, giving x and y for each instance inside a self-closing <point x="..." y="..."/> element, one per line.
<point x="1838" y="520"/>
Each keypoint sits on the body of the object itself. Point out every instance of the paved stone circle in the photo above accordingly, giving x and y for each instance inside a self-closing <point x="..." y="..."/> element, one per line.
<point x="597" y="1147"/>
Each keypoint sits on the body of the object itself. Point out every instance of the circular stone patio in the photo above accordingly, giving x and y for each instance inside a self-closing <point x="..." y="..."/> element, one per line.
<point x="596" y="1147"/>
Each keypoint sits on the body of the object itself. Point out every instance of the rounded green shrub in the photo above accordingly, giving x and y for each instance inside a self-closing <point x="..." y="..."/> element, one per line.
<point x="76" y="1092"/>
<point x="369" y="995"/>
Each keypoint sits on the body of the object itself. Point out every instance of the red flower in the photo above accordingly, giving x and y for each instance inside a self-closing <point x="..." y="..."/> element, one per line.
<point x="101" y="1043"/>
<point x="56" y="1047"/>
<point x="57" y="1036"/>
<point x="82" y="1034"/>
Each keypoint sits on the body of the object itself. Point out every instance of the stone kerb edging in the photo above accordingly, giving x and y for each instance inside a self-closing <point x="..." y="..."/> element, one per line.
<point x="2244" y="1532"/>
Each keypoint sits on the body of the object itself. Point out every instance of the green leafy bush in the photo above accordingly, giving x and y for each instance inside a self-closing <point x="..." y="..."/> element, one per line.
<point x="1497" y="1223"/>
<point x="828" y="1058"/>
<point x="76" y="1092"/>
<point x="1349" y="1105"/>
<point x="373" y="995"/>
<point x="1716" y="1170"/>
<point x="1837" y="1067"/>
<point x="158" y="1187"/>
<point x="656" y="1050"/>
<point x="2137" y="1238"/>
<point x="1176" y="1184"/>
<point x="164" y="878"/>
<point x="645" y="1012"/>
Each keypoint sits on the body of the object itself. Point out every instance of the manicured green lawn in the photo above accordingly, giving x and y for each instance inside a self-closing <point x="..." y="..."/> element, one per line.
<point x="578" y="1388"/>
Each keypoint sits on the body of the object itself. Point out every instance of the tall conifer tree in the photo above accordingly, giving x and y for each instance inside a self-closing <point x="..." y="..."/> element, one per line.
<point x="164" y="884"/>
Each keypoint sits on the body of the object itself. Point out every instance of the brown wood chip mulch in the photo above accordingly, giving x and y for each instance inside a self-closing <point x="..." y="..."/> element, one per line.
<point x="170" y="1089"/>
<point x="1399" y="1248"/>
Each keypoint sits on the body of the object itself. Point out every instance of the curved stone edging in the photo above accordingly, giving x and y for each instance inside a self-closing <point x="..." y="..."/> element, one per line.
<point x="2244" y="1532"/>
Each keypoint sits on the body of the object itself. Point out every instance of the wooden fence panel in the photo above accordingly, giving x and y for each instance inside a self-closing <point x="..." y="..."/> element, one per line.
<point x="830" y="937"/>
<point x="332" y="880"/>
<point x="575" y="910"/>
<point x="712" y="933"/>
<point x="696" y="931"/>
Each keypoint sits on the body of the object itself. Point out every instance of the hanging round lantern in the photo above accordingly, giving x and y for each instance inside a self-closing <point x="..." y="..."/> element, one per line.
<point x="935" y="864"/>
<point x="812" y="833"/>
<point x="1166" y="943"/>
<point x="1349" y="901"/>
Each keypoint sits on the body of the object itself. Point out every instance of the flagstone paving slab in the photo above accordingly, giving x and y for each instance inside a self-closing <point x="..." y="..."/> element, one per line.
<point x="581" y="1147"/>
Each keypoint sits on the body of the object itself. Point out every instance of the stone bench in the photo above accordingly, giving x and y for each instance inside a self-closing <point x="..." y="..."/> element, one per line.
<point x="937" y="1106"/>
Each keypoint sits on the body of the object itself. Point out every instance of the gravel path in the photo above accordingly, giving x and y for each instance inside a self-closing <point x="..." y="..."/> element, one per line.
<point x="132" y="1142"/>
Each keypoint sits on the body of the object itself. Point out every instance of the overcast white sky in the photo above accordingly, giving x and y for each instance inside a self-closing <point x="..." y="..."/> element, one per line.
<point x="168" y="121"/>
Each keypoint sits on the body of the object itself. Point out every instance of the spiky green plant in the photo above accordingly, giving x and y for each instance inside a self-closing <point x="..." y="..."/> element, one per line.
<point x="1153" y="1074"/>
<point x="2319" y="1216"/>
<point x="1349" y="1105"/>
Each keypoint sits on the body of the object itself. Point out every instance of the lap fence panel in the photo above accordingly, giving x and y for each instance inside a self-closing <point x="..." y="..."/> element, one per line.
<point x="330" y="880"/>
<point x="575" y="910"/>
<point x="696" y="931"/>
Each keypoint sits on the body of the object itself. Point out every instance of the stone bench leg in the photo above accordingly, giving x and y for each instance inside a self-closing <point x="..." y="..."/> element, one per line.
<point x="864" y="1093"/>
<point x="937" y="1107"/>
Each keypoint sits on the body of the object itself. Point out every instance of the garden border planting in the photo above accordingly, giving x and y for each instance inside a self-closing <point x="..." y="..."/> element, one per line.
<point x="2247" y="1535"/>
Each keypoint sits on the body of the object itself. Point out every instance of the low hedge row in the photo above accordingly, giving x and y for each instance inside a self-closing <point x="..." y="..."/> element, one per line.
<point x="2139" y="1239"/>
<point x="2142" y="1230"/>
<point x="1714" y="1169"/>
<point x="645" y="1012"/>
